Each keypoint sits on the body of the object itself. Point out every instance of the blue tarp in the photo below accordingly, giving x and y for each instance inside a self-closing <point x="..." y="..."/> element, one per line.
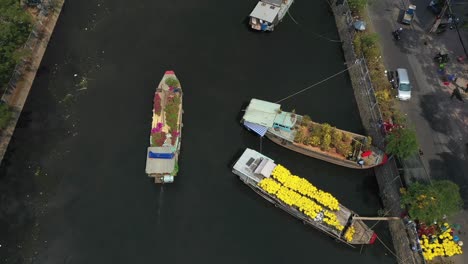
<point x="260" y="130"/>
<point x="153" y="155"/>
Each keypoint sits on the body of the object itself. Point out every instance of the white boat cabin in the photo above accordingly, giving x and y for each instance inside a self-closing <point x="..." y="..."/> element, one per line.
<point x="268" y="13"/>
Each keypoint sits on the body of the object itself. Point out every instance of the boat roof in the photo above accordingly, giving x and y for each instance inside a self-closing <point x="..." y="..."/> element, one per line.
<point x="273" y="2"/>
<point x="261" y="112"/>
<point x="159" y="166"/>
<point x="285" y="119"/>
<point x="254" y="165"/>
<point x="266" y="12"/>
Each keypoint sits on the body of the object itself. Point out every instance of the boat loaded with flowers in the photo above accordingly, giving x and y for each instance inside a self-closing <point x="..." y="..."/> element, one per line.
<point x="301" y="134"/>
<point x="301" y="199"/>
<point x="165" y="138"/>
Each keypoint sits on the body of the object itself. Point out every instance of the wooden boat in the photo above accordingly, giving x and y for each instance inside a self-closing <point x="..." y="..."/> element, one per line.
<point x="301" y="199"/>
<point x="166" y="130"/>
<point x="268" y="13"/>
<point x="300" y="134"/>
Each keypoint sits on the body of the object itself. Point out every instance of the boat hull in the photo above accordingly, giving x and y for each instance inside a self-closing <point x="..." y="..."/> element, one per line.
<point x="314" y="154"/>
<point x="297" y="214"/>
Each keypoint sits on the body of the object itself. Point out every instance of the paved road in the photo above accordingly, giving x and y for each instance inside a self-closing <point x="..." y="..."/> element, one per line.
<point x="441" y="123"/>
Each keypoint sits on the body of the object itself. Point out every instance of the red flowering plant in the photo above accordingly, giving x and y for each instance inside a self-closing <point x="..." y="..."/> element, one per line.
<point x="158" y="128"/>
<point x="174" y="135"/>
<point x="157" y="104"/>
<point x="158" y="139"/>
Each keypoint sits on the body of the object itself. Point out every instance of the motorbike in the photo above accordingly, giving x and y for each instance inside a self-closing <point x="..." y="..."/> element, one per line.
<point x="392" y="78"/>
<point x="396" y="34"/>
<point x="441" y="58"/>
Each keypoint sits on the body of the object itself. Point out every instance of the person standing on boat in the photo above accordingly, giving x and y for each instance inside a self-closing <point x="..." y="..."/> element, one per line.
<point x="360" y="162"/>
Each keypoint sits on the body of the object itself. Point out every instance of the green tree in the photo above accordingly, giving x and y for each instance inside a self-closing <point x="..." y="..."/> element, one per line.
<point x="15" y="26"/>
<point x="430" y="202"/>
<point x="402" y="142"/>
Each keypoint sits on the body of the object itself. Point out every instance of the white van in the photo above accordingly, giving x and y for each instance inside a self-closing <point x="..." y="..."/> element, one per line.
<point x="404" y="85"/>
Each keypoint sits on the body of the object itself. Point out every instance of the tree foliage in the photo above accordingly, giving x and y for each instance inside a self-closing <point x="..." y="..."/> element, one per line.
<point x="15" y="26"/>
<point x="430" y="202"/>
<point x="402" y="142"/>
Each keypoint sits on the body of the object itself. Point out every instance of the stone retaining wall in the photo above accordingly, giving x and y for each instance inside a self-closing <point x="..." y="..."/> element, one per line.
<point x="387" y="175"/>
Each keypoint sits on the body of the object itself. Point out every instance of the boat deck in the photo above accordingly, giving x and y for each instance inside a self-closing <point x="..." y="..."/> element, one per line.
<point x="248" y="163"/>
<point x="288" y="135"/>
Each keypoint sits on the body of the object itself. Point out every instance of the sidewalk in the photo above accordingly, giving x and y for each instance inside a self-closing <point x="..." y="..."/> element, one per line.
<point x="441" y="123"/>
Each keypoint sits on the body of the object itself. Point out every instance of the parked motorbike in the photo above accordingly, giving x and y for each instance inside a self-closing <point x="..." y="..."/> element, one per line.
<point x="396" y="34"/>
<point x="441" y="58"/>
<point x="391" y="75"/>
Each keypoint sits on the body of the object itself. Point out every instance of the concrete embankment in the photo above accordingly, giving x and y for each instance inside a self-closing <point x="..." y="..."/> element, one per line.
<point x="18" y="89"/>
<point x="387" y="175"/>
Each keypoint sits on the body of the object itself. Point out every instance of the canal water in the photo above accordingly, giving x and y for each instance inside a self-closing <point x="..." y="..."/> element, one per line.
<point x="73" y="186"/>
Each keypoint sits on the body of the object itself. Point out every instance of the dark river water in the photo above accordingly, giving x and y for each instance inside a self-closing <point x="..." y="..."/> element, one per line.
<point x="73" y="183"/>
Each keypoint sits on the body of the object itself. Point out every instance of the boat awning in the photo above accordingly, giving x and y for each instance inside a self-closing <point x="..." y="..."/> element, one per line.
<point x="158" y="165"/>
<point x="265" y="12"/>
<point x="261" y="112"/>
<point x="260" y="130"/>
<point x="265" y="168"/>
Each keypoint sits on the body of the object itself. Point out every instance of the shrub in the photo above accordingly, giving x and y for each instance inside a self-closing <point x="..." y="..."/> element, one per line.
<point x="347" y="138"/>
<point x="326" y="141"/>
<point x="337" y="136"/>
<point x="343" y="148"/>
<point x="357" y="44"/>
<point x="5" y="115"/>
<point x="306" y="120"/>
<point x="315" y="130"/>
<point x="300" y="135"/>
<point x="314" y="141"/>
<point x="357" y="5"/>
<point x="369" y="40"/>
<point x="172" y="82"/>
<point x="326" y="129"/>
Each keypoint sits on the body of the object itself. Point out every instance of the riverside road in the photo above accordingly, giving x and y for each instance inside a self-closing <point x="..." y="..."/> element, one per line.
<point x="73" y="187"/>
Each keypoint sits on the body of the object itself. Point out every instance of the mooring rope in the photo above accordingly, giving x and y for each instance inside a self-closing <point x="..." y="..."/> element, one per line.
<point x="315" y="84"/>
<point x="393" y="253"/>
<point x="319" y="35"/>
